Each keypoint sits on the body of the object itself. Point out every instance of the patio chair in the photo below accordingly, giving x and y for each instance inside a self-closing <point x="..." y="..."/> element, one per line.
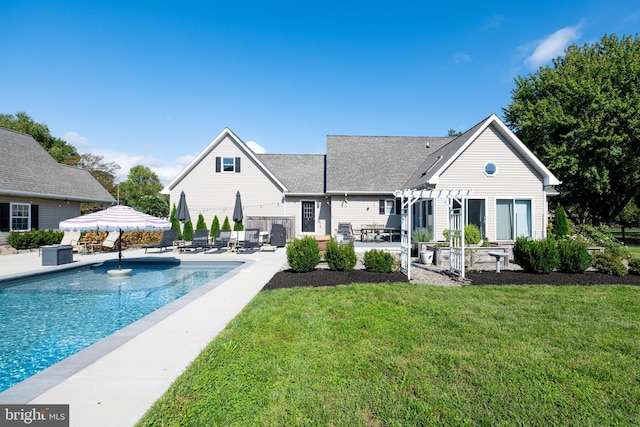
<point x="200" y="240"/>
<point x="221" y="240"/>
<point x="251" y="240"/>
<point x="109" y="243"/>
<point x="71" y="238"/>
<point x="168" y="236"/>
<point x="344" y="229"/>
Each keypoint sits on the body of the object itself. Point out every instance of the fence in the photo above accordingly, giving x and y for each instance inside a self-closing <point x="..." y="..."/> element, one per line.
<point x="626" y="234"/>
<point x="264" y="223"/>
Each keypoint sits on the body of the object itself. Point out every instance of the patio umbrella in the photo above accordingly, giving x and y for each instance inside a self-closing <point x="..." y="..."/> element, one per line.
<point x="237" y="212"/>
<point x="122" y="218"/>
<point x="182" y="211"/>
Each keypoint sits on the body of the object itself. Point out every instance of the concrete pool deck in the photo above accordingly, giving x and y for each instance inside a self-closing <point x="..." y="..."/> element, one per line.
<point x="115" y="381"/>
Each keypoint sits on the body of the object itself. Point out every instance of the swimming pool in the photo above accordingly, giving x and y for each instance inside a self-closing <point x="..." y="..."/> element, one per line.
<point x="46" y="319"/>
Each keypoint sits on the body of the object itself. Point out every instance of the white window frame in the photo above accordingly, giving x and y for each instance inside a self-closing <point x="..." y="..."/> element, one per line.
<point x="225" y="165"/>
<point x="27" y="207"/>
<point x="484" y="169"/>
<point x="388" y="210"/>
<point x="513" y="201"/>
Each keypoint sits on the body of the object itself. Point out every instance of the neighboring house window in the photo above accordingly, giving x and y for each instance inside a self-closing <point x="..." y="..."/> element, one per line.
<point x="513" y="219"/>
<point x="20" y="216"/>
<point x="228" y="164"/>
<point x="388" y="206"/>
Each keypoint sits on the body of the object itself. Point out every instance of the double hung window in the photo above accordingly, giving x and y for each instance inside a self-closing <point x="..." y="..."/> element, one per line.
<point x="20" y="216"/>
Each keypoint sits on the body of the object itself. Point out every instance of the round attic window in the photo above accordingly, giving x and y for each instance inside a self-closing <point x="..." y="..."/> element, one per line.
<point x="490" y="169"/>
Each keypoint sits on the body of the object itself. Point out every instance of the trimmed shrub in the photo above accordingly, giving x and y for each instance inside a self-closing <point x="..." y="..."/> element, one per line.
<point x="536" y="256"/>
<point x="574" y="256"/>
<point x="238" y="226"/>
<point x="187" y="233"/>
<point x="560" y="223"/>
<point x="303" y="254"/>
<point x="378" y="261"/>
<point x="634" y="266"/>
<point x="340" y="257"/>
<point x="34" y="238"/>
<point x="610" y="264"/>
<point x="201" y="225"/>
<point x="215" y="226"/>
<point x="472" y="235"/>
<point x="226" y="225"/>
<point x="175" y="224"/>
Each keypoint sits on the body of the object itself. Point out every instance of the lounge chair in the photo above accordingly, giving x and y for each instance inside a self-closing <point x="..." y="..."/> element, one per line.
<point x="200" y="240"/>
<point x="251" y="240"/>
<point x="71" y="238"/>
<point x="222" y="240"/>
<point x="168" y="237"/>
<point x="109" y="243"/>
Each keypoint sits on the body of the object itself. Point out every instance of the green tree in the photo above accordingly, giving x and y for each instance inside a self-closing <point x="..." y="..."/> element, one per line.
<point x="21" y="122"/>
<point x="560" y="223"/>
<point x="154" y="204"/>
<point x="580" y="117"/>
<point x="453" y="132"/>
<point x="140" y="182"/>
<point x="630" y="215"/>
<point x="201" y="225"/>
<point x="215" y="226"/>
<point x="187" y="233"/>
<point x="103" y="172"/>
<point x="175" y="224"/>
<point x="226" y="225"/>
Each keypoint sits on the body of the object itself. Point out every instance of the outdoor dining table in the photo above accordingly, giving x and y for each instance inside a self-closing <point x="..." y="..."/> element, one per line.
<point x="371" y="233"/>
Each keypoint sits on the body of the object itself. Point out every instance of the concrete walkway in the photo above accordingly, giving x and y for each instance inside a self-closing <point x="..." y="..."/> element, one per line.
<point x="115" y="381"/>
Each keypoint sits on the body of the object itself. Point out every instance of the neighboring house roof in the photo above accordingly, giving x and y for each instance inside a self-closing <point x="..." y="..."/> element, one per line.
<point x="300" y="173"/>
<point x="428" y="174"/>
<point x="226" y="132"/>
<point x="29" y="171"/>
<point x="375" y="164"/>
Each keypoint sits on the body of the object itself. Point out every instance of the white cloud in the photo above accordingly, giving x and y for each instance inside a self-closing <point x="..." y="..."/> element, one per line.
<point x="256" y="148"/>
<point x="74" y="138"/>
<point x="461" y="57"/>
<point x="552" y="46"/>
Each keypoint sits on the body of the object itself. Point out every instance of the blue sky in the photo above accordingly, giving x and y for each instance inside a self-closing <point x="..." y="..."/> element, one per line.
<point x="153" y="82"/>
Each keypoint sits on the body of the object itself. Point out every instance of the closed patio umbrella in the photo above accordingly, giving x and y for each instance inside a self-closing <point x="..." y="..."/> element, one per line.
<point x="182" y="211"/>
<point x="237" y="212"/>
<point x="121" y="218"/>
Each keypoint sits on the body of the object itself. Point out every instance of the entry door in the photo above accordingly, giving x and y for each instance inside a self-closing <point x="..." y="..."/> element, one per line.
<point x="308" y="217"/>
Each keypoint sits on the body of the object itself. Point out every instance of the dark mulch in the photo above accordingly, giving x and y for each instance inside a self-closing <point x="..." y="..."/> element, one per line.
<point x="324" y="277"/>
<point x="555" y="278"/>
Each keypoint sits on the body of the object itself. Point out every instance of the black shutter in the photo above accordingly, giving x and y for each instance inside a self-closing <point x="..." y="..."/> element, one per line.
<point x="35" y="220"/>
<point x="218" y="164"/>
<point x="237" y="164"/>
<point x="398" y="206"/>
<point x="381" y="207"/>
<point x="4" y="217"/>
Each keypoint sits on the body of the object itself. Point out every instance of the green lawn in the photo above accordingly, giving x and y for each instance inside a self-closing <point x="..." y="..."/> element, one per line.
<point x="407" y="355"/>
<point x="634" y="251"/>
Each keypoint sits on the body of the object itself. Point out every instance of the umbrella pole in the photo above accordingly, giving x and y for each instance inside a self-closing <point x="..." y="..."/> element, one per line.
<point x="120" y="250"/>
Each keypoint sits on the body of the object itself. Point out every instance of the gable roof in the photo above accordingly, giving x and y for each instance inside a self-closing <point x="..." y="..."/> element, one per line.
<point x="375" y="164"/>
<point x="226" y="132"/>
<point x="300" y="173"/>
<point x="29" y="171"/>
<point x="429" y="172"/>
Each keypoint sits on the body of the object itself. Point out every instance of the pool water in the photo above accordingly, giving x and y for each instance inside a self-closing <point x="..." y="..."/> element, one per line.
<point x="49" y="318"/>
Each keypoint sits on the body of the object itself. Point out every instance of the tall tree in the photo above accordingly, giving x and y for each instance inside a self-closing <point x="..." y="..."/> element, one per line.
<point x="56" y="147"/>
<point x="141" y="183"/>
<point x="580" y="116"/>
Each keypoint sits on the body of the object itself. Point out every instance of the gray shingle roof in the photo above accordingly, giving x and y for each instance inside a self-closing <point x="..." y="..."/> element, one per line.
<point x="375" y="163"/>
<point x="300" y="173"/>
<point x="28" y="169"/>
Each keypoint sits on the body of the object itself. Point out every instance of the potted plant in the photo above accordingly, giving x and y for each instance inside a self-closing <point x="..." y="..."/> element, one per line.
<point x="419" y="237"/>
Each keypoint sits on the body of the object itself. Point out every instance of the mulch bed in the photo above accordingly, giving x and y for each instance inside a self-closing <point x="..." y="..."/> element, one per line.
<point x="323" y="277"/>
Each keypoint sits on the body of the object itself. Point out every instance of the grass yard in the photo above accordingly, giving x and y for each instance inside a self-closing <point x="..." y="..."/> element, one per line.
<point x="634" y="252"/>
<point x="408" y="355"/>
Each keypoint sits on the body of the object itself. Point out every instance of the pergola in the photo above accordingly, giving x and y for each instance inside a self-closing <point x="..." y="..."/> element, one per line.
<point x="456" y="225"/>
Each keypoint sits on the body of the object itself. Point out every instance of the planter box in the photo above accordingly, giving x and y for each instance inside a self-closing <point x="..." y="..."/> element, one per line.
<point x="56" y="255"/>
<point x="476" y="257"/>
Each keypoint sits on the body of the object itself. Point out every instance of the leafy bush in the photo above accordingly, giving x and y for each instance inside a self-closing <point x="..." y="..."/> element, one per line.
<point x="226" y="225"/>
<point x="34" y="238"/>
<point x="610" y="264"/>
<point x="340" y="257"/>
<point x="238" y="226"/>
<point x="215" y="226"/>
<point x="187" y="233"/>
<point x="536" y="256"/>
<point x="378" y="261"/>
<point x="175" y="224"/>
<point x="303" y="254"/>
<point x="601" y="236"/>
<point x="634" y="266"/>
<point x="574" y="256"/>
<point x="560" y="223"/>
<point x="472" y="235"/>
<point x="421" y="235"/>
<point x="201" y="225"/>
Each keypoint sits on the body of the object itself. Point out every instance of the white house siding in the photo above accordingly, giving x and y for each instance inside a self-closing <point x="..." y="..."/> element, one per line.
<point x="359" y="211"/>
<point x="212" y="193"/>
<point x="515" y="179"/>
<point x="322" y="213"/>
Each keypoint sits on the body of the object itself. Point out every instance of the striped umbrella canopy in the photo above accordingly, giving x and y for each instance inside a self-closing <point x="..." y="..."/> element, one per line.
<point x="121" y="218"/>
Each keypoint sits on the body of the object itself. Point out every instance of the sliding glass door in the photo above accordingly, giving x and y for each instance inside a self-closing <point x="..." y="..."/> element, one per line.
<point x="513" y="219"/>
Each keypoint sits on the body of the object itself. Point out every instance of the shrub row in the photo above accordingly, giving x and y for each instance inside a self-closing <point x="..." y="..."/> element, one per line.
<point x="340" y="257"/>
<point x="34" y="238"/>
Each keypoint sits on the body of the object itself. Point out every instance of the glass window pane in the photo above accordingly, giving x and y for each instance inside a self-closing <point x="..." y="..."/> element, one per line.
<point x="523" y="218"/>
<point x="504" y="219"/>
